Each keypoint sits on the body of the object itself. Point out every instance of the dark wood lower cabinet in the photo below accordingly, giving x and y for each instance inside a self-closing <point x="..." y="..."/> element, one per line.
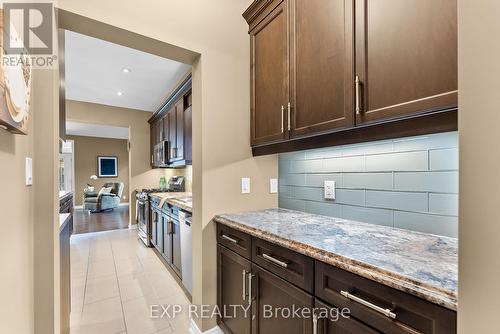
<point x="176" y="246"/>
<point x="368" y="307"/>
<point x="167" y="238"/>
<point x="232" y="272"/>
<point x="274" y="300"/>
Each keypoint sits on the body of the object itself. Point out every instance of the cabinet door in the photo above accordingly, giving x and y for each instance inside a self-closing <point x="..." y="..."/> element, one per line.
<point x="159" y="233"/>
<point x="154" y="224"/>
<point x="172" y="132"/>
<point x="232" y="270"/>
<point x="153" y="142"/>
<point x="270" y="77"/>
<point x="179" y="148"/>
<point x="406" y="57"/>
<point x="167" y="238"/>
<point x="188" y="135"/>
<point x="268" y="290"/>
<point x="322" y="70"/>
<point x="176" y="247"/>
<point x="165" y="128"/>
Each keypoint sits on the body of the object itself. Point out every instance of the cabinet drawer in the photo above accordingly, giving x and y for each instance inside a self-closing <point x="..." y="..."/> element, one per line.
<point x="409" y="314"/>
<point x="289" y="265"/>
<point x="235" y="240"/>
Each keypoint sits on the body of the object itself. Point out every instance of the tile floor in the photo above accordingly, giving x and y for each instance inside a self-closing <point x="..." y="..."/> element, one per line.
<point x="115" y="280"/>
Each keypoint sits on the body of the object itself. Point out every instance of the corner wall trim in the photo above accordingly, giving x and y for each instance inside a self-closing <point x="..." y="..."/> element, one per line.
<point x="193" y="329"/>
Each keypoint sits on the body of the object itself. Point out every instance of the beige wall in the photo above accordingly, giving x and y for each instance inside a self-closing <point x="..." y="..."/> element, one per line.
<point x="16" y="220"/>
<point x="479" y="119"/>
<point x="87" y="149"/>
<point x="221" y="103"/>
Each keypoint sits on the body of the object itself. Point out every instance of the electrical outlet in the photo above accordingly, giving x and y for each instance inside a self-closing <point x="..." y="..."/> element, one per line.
<point x="273" y="186"/>
<point x="245" y="185"/>
<point x="329" y="190"/>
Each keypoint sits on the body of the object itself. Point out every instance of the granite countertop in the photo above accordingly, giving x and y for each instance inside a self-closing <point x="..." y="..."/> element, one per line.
<point x="63" y="220"/>
<point x="63" y="194"/>
<point x="420" y="264"/>
<point x="176" y="199"/>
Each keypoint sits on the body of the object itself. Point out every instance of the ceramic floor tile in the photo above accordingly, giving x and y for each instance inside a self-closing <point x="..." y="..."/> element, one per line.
<point x="101" y="288"/>
<point x="138" y="316"/>
<point x="101" y="268"/>
<point x="134" y="286"/>
<point x="101" y="318"/>
<point x="128" y="266"/>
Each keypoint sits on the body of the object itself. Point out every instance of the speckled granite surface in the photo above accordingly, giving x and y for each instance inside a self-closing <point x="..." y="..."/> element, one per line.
<point x="176" y="199"/>
<point x="421" y="264"/>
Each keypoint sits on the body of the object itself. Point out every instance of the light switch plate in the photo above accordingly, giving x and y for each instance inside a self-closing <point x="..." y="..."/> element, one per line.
<point x="273" y="186"/>
<point x="29" y="171"/>
<point x="329" y="190"/>
<point x="245" y="185"/>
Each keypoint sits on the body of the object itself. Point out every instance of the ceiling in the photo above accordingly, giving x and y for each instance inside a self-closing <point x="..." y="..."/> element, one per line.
<point x="95" y="130"/>
<point x="94" y="73"/>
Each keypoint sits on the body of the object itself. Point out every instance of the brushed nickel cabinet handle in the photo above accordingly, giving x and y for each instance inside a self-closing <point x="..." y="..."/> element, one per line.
<point x="384" y="311"/>
<point x="358" y="95"/>
<point x="315" y="323"/>
<point x="250" y="276"/>
<point x="275" y="261"/>
<point x="289" y="116"/>
<point x="282" y="119"/>
<point x="234" y="241"/>
<point x="244" y="295"/>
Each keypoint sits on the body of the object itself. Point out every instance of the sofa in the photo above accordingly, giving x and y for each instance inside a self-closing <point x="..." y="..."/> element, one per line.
<point x="103" y="200"/>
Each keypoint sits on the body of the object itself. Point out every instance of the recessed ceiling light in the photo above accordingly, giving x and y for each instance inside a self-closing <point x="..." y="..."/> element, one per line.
<point x="126" y="70"/>
<point x="119" y="93"/>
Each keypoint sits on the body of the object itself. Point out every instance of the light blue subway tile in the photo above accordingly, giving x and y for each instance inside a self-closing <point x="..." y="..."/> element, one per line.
<point x="325" y="209"/>
<point x="292" y="204"/>
<point x="323" y="153"/>
<point x="368" y="215"/>
<point x="440" y="182"/>
<point x="318" y="180"/>
<point x="292" y="180"/>
<point x="350" y="197"/>
<point x="284" y="166"/>
<point x="307" y="166"/>
<point x="446" y="204"/>
<point x="285" y="191"/>
<point x="397" y="200"/>
<point x="381" y="181"/>
<point x="445" y="159"/>
<point x="371" y="148"/>
<point x="345" y="164"/>
<point x="292" y="156"/>
<point x="305" y="193"/>
<point x="440" y="225"/>
<point x="406" y="161"/>
<point x="428" y="142"/>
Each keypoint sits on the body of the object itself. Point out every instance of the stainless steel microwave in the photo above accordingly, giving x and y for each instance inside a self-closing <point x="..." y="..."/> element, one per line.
<point x="161" y="153"/>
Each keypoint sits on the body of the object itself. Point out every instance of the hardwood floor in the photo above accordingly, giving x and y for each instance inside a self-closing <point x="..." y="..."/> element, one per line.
<point x="102" y="221"/>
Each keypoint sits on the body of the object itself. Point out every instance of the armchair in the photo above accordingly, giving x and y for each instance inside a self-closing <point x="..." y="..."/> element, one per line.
<point x="96" y="202"/>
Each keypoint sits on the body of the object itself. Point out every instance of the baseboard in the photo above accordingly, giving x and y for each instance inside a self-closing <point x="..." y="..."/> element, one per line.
<point x="193" y="329"/>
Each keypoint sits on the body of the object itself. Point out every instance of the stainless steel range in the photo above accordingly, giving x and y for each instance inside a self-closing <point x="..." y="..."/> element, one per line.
<point x="175" y="184"/>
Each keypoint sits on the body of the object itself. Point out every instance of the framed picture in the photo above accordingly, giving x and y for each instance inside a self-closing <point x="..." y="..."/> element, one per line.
<point x="107" y="166"/>
<point x="15" y="92"/>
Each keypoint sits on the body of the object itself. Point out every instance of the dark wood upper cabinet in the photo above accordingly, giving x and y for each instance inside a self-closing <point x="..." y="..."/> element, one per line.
<point x="406" y="57"/>
<point x="339" y="71"/>
<point x="321" y="65"/>
<point x="270" y="77"/>
<point x="179" y="118"/>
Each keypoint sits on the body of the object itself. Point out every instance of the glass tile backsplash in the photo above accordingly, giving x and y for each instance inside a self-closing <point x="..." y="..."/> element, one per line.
<point x="409" y="183"/>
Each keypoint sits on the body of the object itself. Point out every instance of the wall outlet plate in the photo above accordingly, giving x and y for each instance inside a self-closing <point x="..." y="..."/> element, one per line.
<point x="273" y="186"/>
<point x="329" y="190"/>
<point x="245" y="185"/>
